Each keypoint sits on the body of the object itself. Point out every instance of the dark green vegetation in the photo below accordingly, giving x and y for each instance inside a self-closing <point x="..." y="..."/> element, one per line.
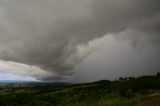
<point x="123" y="92"/>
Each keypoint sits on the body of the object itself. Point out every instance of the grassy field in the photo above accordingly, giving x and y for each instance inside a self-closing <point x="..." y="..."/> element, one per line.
<point x="141" y="91"/>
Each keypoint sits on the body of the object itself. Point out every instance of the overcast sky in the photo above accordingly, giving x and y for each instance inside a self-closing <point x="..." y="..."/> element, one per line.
<point x="78" y="40"/>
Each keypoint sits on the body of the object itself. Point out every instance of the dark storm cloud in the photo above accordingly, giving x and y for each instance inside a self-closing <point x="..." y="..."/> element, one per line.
<point x="52" y="34"/>
<point x="119" y="14"/>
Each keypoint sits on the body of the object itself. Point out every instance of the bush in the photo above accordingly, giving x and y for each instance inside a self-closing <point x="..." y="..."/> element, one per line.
<point x="129" y="93"/>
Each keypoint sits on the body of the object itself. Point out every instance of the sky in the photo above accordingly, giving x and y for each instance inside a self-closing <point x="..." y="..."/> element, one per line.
<point x="78" y="40"/>
<point x="12" y="77"/>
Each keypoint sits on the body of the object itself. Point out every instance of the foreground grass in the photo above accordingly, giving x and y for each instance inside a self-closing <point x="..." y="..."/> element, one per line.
<point x="103" y="102"/>
<point x="116" y="101"/>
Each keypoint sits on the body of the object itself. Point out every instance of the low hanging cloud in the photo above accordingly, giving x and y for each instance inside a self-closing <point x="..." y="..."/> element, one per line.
<point x="56" y="36"/>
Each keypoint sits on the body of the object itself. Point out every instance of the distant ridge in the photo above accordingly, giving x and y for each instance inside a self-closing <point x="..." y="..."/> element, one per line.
<point x="31" y="82"/>
<point x="16" y="81"/>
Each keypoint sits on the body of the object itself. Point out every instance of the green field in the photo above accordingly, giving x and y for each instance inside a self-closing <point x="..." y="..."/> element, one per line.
<point x="141" y="91"/>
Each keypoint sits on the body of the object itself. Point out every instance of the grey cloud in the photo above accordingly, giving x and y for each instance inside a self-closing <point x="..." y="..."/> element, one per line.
<point x="118" y="58"/>
<point x="48" y="33"/>
<point x="116" y="15"/>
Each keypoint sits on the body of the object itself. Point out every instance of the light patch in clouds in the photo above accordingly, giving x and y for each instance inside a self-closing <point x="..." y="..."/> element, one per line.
<point x="23" y="70"/>
<point x="117" y="57"/>
<point x="9" y="76"/>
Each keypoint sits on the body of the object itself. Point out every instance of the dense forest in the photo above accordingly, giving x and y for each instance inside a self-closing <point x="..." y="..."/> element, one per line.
<point x="129" y="91"/>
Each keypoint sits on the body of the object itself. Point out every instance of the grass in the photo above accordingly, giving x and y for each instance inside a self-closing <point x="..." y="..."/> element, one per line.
<point x="143" y="91"/>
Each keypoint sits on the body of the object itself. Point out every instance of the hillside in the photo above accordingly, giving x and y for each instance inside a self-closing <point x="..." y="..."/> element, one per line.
<point x="141" y="91"/>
